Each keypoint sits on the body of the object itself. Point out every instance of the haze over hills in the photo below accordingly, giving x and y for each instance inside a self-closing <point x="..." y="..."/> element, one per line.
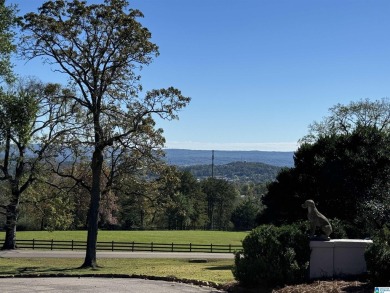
<point x="255" y="166"/>
<point x="182" y="157"/>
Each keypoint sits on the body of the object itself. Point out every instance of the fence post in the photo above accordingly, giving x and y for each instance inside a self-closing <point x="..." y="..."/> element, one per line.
<point x="230" y="248"/>
<point x="51" y="244"/>
<point x="72" y="244"/>
<point x="132" y="247"/>
<point x="33" y="244"/>
<point x="112" y="246"/>
<point x="151" y="248"/>
<point x="211" y="247"/>
<point x="190" y="247"/>
<point x="172" y="247"/>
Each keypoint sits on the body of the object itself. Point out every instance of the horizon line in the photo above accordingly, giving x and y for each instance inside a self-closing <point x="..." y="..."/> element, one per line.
<point x="209" y="150"/>
<point x="265" y="147"/>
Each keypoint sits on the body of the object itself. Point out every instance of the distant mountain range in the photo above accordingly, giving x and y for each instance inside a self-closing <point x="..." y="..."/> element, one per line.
<point x="181" y="157"/>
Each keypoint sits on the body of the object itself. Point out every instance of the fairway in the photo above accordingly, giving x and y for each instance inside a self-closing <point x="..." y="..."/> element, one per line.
<point x="195" y="237"/>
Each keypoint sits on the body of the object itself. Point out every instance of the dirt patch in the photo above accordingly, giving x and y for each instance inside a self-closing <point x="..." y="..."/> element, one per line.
<point x="335" y="286"/>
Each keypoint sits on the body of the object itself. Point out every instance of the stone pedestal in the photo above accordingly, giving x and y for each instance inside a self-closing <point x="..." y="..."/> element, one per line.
<point x="337" y="258"/>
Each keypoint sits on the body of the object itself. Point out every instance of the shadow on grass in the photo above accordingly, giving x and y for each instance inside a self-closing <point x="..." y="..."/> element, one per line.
<point x="220" y="268"/>
<point x="42" y="270"/>
<point x="45" y="270"/>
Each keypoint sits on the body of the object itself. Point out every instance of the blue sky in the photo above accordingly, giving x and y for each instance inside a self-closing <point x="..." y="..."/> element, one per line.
<point x="258" y="71"/>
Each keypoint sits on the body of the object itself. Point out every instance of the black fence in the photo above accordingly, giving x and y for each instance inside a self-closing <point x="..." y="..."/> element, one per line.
<point x="127" y="246"/>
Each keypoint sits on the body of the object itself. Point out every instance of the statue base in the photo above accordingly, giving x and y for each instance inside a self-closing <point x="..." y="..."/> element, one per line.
<point x="337" y="258"/>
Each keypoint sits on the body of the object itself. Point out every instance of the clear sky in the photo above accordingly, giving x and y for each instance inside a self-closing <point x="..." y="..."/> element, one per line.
<point x="258" y="71"/>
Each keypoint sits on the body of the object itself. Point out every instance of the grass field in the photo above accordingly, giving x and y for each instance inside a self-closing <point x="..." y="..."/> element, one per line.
<point x="196" y="237"/>
<point x="218" y="271"/>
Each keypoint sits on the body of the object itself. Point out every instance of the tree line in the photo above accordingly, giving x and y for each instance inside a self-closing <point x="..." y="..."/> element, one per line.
<point x="237" y="171"/>
<point x="168" y="199"/>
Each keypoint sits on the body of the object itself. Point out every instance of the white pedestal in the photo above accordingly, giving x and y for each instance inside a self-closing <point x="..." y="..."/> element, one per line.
<point x="337" y="258"/>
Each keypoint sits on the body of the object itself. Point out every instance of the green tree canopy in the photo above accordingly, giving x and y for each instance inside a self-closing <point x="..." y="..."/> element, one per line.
<point x="343" y="164"/>
<point x="186" y="206"/>
<point x="7" y="21"/>
<point x="29" y="120"/>
<point x="244" y="215"/>
<point x="340" y="172"/>
<point x="221" y="197"/>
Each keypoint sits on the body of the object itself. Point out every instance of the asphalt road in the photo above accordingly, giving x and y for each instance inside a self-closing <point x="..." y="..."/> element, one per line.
<point x="113" y="254"/>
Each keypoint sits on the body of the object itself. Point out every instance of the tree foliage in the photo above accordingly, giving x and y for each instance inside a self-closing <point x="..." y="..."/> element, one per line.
<point x="244" y="215"/>
<point x="273" y="256"/>
<point x="8" y="20"/>
<point x="30" y="116"/>
<point x="344" y="119"/>
<point x="168" y="199"/>
<point x="237" y="171"/>
<point x="186" y="208"/>
<point x="345" y="170"/>
<point x="44" y="207"/>
<point x="339" y="172"/>
<point x="377" y="256"/>
<point x="221" y="197"/>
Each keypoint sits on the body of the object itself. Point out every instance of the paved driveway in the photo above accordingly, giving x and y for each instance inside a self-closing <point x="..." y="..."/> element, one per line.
<point x="96" y="285"/>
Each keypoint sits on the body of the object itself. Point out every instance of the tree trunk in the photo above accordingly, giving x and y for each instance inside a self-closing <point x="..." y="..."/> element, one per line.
<point x="93" y="213"/>
<point x="210" y="214"/>
<point x="142" y="219"/>
<point x="12" y="213"/>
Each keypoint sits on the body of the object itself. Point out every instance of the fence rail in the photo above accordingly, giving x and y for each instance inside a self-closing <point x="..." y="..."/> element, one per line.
<point x="127" y="246"/>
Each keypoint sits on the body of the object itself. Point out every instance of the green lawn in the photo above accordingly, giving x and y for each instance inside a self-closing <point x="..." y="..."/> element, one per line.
<point x="195" y="237"/>
<point x="218" y="271"/>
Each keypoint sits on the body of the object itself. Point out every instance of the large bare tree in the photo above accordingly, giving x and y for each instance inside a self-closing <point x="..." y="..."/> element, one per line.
<point x="101" y="48"/>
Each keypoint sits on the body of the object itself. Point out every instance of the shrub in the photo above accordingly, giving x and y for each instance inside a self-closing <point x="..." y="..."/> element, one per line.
<point x="339" y="229"/>
<point x="273" y="256"/>
<point x="378" y="259"/>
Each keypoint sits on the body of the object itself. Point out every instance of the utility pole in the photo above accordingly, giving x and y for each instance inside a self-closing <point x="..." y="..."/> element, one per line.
<point x="212" y="164"/>
<point x="210" y="202"/>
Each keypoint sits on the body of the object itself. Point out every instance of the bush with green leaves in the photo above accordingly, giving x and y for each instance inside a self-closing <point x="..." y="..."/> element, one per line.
<point x="339" y="229"/>
<point x="378" y="259"/>
<point x="273" y="256"/>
